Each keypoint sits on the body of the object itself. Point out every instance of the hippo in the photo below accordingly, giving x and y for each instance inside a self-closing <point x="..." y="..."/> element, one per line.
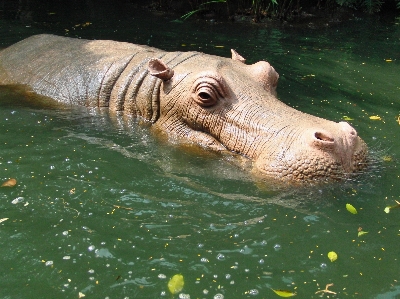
<point x="220" y="104"/>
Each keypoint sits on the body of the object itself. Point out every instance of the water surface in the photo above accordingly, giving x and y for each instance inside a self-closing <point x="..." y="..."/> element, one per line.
<point x="104" y="208"/>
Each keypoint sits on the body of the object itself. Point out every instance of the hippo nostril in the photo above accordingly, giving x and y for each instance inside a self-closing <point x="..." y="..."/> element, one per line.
<point x="323" y="137"/>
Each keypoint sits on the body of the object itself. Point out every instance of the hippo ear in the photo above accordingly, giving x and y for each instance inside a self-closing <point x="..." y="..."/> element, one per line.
<point x="237" y="56"/>
<point x="159" y="69"/>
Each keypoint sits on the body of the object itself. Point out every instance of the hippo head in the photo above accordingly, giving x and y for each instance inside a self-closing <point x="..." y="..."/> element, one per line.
<point x="224" y="104"/>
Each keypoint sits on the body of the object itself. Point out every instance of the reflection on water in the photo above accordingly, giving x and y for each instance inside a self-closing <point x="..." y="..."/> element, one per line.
<point x="105" y="208"/>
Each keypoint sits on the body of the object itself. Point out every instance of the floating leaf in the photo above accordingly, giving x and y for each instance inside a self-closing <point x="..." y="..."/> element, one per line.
<point x="345" y="117"/>
<point x="3" y="219"/>
<point x="175" y="284"/>
<point x="387" y="158"/>
<point x="351" y="209"/>
<point x="9" y="183"/>
<point x="387" y="209"/>
<point x="375" y="117"/>
<point x="360" y="233"/>
<point x="388" y="60"/>
<point x="81" y="295"/>
<point x="284" y="293"/>
<point x="332" y="256"/>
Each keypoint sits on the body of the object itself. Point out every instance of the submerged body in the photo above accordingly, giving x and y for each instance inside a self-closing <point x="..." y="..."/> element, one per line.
<point x="218" y="103"/>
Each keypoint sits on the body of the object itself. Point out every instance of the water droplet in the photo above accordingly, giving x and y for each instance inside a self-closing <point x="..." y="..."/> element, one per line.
<point x="162" y="276"/>
<point x="277" y="247"/>
<point x="65" y="233"/>
<point x="184" y="296"/>
<point x="263" y="242"/>
<point x="205" y="291"/>
<point x="200" y="245"/>
<point x="162" y="293"/>
<point x="227" y="276"/>
<point x="91" y="248"/>
<point x="323" y="265"/>
<point x="219" y="296"/>
<point x="247" y="270"/>
<point x="261" y="261"/>
<point x="215" y="276"/>
<point x="204" y="260"/>
<point x="91" y="271"/>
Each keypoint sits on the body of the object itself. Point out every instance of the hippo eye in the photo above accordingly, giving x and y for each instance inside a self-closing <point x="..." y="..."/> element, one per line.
<point x="205" y="96"/>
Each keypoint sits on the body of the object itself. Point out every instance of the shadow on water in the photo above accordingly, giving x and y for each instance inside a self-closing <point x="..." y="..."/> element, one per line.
<point x="105" y="208"/>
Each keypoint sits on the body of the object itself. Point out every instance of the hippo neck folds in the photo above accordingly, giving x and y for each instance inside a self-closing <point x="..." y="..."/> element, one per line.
<point x="219" y="103"/>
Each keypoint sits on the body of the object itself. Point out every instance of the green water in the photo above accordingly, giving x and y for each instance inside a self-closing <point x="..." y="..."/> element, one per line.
<point x="104" y="208"/>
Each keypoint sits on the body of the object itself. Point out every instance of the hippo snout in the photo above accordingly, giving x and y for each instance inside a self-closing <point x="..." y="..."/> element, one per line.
<point x="331" y="150"/>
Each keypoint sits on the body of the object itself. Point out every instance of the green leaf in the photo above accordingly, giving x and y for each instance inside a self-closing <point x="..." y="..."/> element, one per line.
<point x="175" y="284"/>
<point x="351" y="209"/>
<point x="332" y="256"/>
<point x="284" y="293"/>
<point x="360" y="233"/>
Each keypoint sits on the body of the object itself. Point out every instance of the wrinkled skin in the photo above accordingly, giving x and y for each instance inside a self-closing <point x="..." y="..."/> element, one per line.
<point x="218" y="103"/>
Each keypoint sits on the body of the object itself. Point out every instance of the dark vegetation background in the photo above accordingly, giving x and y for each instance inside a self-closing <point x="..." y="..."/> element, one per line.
<point x="258" y="11"/>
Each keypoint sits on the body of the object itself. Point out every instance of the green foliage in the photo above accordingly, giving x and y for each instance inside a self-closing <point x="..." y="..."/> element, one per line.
<point x="287" y="9"/>
<point x="370" y="6"/>
<point x="201" y="7"/>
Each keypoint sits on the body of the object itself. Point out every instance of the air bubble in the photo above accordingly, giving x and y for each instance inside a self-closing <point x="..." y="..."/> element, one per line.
<point x="277" y="247"/>
<point x="184" y="296"/>
<point x="253" y="292"/>
<point x="65" y="233"/>
<point x="219" y="296"/>
<point x="91" y="248"/>
<point x="323" y="265"/>
<point x="49" y="263"/>
<point x="227" y="276"/>
<point x="162" y="276"/>
<point x="204" y="260"/>
<point x="220" y="257"/>
<point x="261" y="261"/>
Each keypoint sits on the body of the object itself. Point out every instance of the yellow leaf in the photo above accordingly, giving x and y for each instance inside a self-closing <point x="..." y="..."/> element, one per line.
<point x="345" y="117"/>
<point x="9" y="183"/>
<point x="360" y="233"/>
<point x="175" y="284"/>
<point x="332" y="256"/>
<point x="375" y="117"/>
<point x="351" y="209"/>
<point x="220" y="46"/>
<point x="387" y="158"/>
<point x="387" y="210"/>
<point x="284" y="293"/>
<point x="388" y="60"/>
